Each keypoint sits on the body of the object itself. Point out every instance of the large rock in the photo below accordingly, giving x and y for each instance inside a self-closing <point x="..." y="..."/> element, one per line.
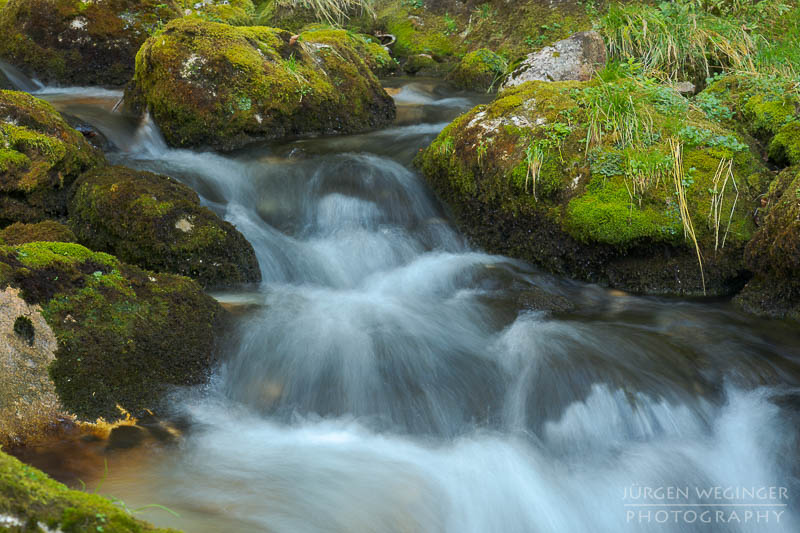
<point x="31" y="501"/>
<point x="209" y="84"/>
<point x="29" y="404"/>
<point x="76" y="42"/>
<point x="575" y="58"/>
<point x="157" y="223"/>
<point x="774" y="252"/>
<point x="40" y="157"/>
<point x="579" y="177"/>
<point x="124" y="335"/>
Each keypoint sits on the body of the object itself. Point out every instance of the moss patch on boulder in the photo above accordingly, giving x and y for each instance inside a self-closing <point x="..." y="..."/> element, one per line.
<point x="579" y="177"/>
<point x="156" y="223"/>
<point x="766" y="108"/>
<point x="124" y="334"/>
<point x="209" y="84"/>
<point x="40" y="157"/>
<point x="480" y="70"/>
<point x="774" y="253"/>
<point x="29" y="500"/>
<point x="47" y="231"/>
<point x="79" y="42"/>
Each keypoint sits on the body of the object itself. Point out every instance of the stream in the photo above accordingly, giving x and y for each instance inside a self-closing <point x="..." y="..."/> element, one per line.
<point x="387" y="376"/>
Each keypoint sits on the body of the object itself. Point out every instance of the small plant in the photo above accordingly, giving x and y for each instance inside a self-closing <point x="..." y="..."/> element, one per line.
<point x="680" y="182"/>
<point x="333" y="12"/>
<point x="481" y="150"/>
<point x="445" y="147"/>
<point x="725" y="169"/>
<point x="450" y="25"/>
<point x="534" y="157"/>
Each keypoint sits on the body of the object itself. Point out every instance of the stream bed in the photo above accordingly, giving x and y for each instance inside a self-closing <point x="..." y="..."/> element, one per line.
<point x="386" y="376"/>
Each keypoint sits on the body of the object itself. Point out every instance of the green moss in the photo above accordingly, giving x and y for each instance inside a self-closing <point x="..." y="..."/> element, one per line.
<point x="480" y="70"/>
<point x="157" y="223"/>
<point x="234" y="12"/>
<point x="195" y="76"/>
<point x="606" y="214"/>
<point x="49" y="230"/>
<point x="124" y="335"/>
<point x="774" y="252"/>
<point x="784" y="148"/>
<point x="40" y="156"/>
<point x="589" y="167"/>
<point x="79" y="43"/>
<point x="31" y="497"/>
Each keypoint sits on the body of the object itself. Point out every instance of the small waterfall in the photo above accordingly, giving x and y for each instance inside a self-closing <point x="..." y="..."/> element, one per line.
<point x="391" y="378"/>
<point x="20" y="81"/>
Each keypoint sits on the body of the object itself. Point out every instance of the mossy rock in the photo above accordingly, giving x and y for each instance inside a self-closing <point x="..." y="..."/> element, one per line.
<point x="603" y="204"/>
<point x="156" y="223"/>
<point x="40" y="157"/>
<point x="79" y="42"/>
<point x="423" y="65"/>
<point x="774" y="252"/>
<point x="377" y="58"/>
<point x="480" y="70"/>
<point x="768" y="109"/>
<point x="125" y="335"/>
<point x="47" y="231"/>
<point x="234" y="12"/>
<point x="209" y="84"/>
<point x="32" y="501"/>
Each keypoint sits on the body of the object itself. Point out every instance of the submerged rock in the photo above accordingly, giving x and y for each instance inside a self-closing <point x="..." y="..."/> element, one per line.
<point x="774" y="253"/>
<point x="209" y="84"/>
<point x="124" y="335"/>
<point x="78" y="42"/>
<point x="31" y="501"/>
<point x="40" y="157"/>
<point x="580" y="177"/>
<point x="157" y="223"/>
<point x="575" y="58"/>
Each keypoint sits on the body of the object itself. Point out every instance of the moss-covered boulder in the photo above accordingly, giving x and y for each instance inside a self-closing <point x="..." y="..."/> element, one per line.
<point x="79" y="42"/>
<point x="766" y="108"/>
<point x="580" y="177"/>
<point x="156" y="223"/>
<point x="124" y="335"/>
<point x="31" y="501"/>
<point x="377" y="58"/>
<point x="480" y="70"/>
<point x="774" y="252"/>
<point x="47" y="231"/>
<point x="209" y="84"/>
<point x="40" y="157"/>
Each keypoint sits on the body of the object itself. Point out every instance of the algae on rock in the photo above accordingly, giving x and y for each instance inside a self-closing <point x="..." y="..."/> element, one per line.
<point x="209" y="84"/>
<point x="579" y="177"/>
<point x="40" y="157"/>
<point x="156" y="223"/>
<point x="79" y="42"/>
<point x="774" y="252"/>
<point x="32" y="501"/>
<point x="124" y="335"/>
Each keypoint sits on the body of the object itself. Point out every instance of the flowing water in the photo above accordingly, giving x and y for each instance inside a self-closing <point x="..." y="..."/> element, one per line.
<point x="386" y="376"/>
